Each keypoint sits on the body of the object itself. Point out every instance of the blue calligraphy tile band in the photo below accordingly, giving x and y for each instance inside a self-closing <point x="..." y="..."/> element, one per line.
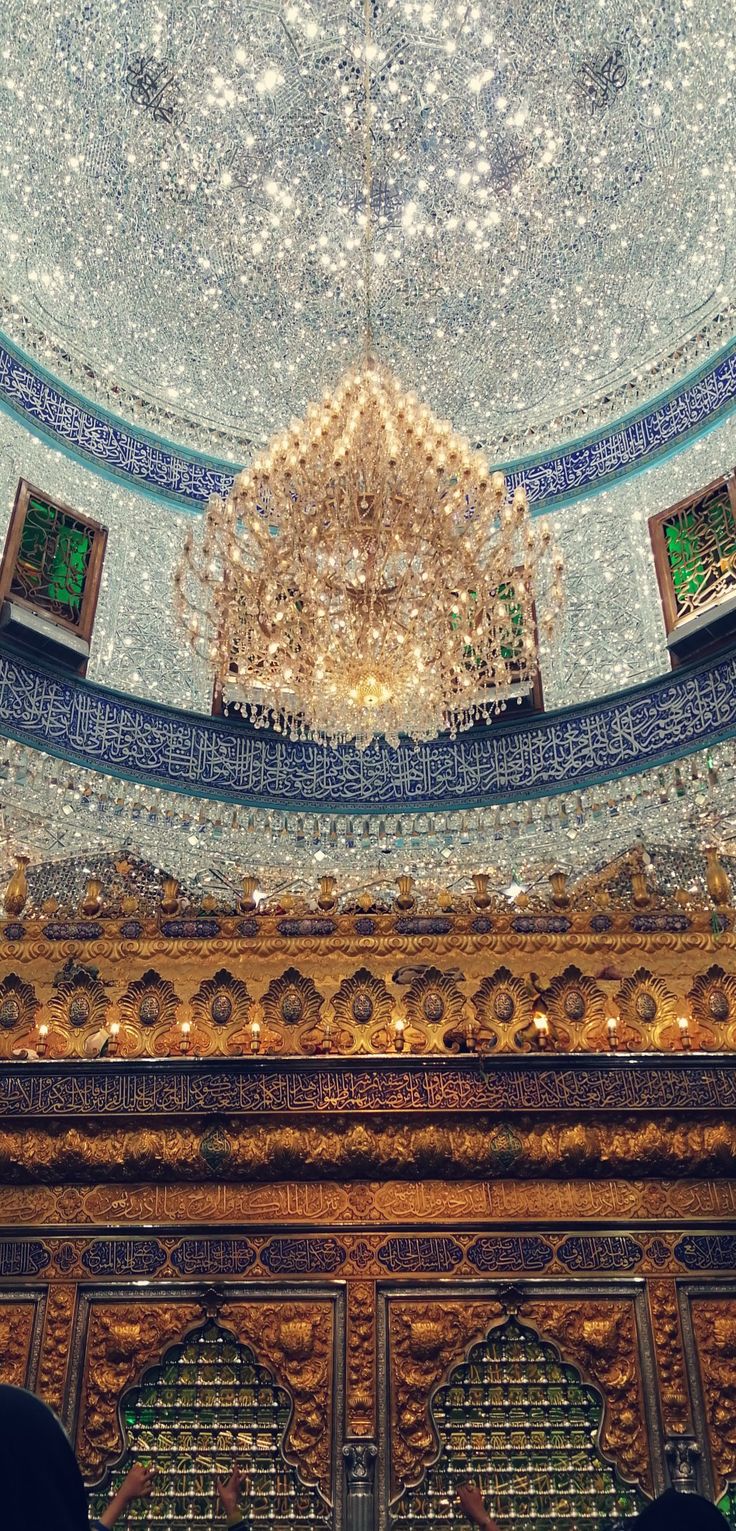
<point x="169" y="1088"/>
<point x="140" y="741"/>
<point x="186" y="478"/>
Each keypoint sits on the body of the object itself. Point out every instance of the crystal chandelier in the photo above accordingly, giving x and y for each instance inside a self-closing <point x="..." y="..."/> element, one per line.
<point x="368" y="575"/>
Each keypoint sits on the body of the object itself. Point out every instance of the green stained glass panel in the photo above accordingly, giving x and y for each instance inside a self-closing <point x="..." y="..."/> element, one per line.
<point x="700" y="543"/>
<point x="53" y="560"/>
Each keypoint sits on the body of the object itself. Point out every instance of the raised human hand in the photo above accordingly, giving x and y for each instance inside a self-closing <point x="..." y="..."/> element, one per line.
<point x="137" y="1484"/>
<point x="471" y="1501"/>
<point x="229" y="1491"/>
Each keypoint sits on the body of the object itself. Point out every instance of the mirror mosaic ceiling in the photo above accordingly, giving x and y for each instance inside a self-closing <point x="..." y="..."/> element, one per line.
<point x="181" y="185"/>
<point x="180" y="215"/>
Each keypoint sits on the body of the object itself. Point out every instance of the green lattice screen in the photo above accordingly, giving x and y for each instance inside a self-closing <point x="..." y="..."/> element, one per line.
<point x="519" y="1422"/>
<point x="53" y="560"/>
<point x="207" y="1407"/>
<point x="727" y="1505"/>
<point x="700" y="543"/>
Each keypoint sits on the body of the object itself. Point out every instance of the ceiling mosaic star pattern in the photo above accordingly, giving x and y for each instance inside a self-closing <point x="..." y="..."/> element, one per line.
<point x="181" y="196"/>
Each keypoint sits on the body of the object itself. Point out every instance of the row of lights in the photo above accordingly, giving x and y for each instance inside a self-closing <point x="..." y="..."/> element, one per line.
<point x="543" y="1037"/>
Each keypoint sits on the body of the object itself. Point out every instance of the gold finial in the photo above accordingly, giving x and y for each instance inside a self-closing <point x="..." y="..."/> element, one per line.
<point x="716" y="877"/>
<point x="405" y="899"/>
<point x="247" y="901"/>
<point x="558" y="884"/>
<point x="92" y="901"/>
<point x="16" y="892"/>
<point x="169" y="896"/>
<point x="640" y="890"/>
<point x="327" y="897"/>
<point x="481" y="896"/>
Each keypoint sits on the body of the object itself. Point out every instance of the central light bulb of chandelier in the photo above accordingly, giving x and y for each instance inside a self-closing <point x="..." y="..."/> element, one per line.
<point x="368" y="576"/>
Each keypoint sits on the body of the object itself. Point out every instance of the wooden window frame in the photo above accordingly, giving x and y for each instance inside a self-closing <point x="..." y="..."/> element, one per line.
<point x="662" y="563"/>
<point x="82" y="629"/>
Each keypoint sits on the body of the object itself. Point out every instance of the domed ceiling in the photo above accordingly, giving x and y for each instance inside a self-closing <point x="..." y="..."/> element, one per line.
<point x="553" y="193"/>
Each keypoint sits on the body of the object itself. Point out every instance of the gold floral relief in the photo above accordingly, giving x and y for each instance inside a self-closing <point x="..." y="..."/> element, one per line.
<point x="296" y="1342"/>
<point x="292" y="1001"/>
<point x="575" y="1005"/>
<point x="649" y="979"/>
<point x="220" y="1001"/>
<point x="361" y="1357"/>
<point x="151" y="1003"/>
<point x="648" y="1006"/>
<point x="714" y="1326"/>
<point x="56" y="1345"/>
<point x="503" y="1005"/>
<point x="433" y="999"/>
<point x="712" y="999"/>
<point x="668" y="1345"/>
<point x="16" y="1333"/>
<point x="600" y="1339"/>
<point x="19" y="1004"/>
<point x="123" y="1340"/>
<point x="372" y="1147"/>
<point x="425" y="1340"/>
<point x="79" y="1001"/>
<point x="363" y="1000"/>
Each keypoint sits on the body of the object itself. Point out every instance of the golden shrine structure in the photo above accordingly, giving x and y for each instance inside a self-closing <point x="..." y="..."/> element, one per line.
<point x="431" y="1188"/>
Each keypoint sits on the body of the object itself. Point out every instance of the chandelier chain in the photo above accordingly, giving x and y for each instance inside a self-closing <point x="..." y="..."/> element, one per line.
<point x="368" y="345"/>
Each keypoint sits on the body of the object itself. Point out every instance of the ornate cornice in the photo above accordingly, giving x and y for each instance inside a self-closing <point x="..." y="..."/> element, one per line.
<point x="186" y="478"/>
<point x="139" y="741"/>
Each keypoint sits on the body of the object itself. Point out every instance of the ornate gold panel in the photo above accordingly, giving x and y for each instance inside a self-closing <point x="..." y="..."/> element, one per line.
<point x="341" y="993"/>
<point x="361" y="1357"/>
<point x="56" y="1344"/>
<point x="714" y="1327"/>
<point x="599" y="1337"/>
<point x="122" y="1340"/>
<point x="518" y="1419"/>
<point x="668" y="1346"/>
<point x="425" y="1339"/>
<point x="373" y="1146"/>
<point x="368" y="1202"/>
<point x="17" y="1321"/>
<point x="295" y="1341"/>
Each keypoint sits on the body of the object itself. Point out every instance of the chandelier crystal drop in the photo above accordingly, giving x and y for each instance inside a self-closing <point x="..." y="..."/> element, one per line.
<point x="369" y="576"/>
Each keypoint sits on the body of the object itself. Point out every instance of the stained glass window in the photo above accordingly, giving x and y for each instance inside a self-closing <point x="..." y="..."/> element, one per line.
<point x="695" y="550"/>
<point x="727" y="1505"/>
<point x="520" y="1422"/>
<point x="53" y="559"/>
<point x="208" y="1407"/>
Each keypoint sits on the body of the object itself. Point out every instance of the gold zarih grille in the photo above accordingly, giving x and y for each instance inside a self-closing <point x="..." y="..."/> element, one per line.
<point x="519" y="1422"/>
<point x="208" y="1407"/>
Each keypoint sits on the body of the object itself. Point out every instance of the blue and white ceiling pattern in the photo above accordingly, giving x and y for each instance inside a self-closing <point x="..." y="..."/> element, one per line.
<point x="187" y="479"/>
<point x="553" y="201"/>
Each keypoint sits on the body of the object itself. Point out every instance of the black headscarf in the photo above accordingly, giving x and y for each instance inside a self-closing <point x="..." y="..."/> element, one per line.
<point x="680" y="1512"/>
<point x="40" y="1482"/>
